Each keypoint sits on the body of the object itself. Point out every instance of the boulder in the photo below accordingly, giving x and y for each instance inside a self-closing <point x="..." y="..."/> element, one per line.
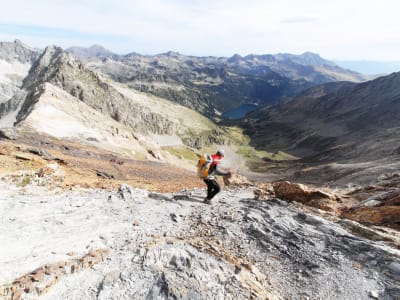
<point x="300" y="193"/>
<point x="314" y="197"/>
<point x="8" y="133"/>
<point x="264" y="191"/>
<point x="388" y="215"/>
<point x="236" y="181"/>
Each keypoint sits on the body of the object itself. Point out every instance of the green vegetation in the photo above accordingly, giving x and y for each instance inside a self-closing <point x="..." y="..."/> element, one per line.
<point x="27" y="164"/>
<point x="236" y="135"/>
<point x="135" y="154"/>
<point x="25" y="181"/>
<point x="256" y="160"/>
<point x="181" y="152"/>
<point x="259" y="165"/>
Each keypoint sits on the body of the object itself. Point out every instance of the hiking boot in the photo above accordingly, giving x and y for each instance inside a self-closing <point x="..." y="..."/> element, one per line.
<point x="207" y="201"/>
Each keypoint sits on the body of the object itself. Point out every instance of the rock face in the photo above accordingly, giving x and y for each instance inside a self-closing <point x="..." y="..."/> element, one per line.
<point x="12" y="106"/>
<point x="142" y="115"/>
<point x="17" y="51"/>
<point x="15" y="61"/>
<point x="62" y="69"/>
<point x="55" y="113"/>
<point x="236" y="248"/>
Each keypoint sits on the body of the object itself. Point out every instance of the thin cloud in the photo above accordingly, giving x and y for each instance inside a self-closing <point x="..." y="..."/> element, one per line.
<point x="335" y="29"/>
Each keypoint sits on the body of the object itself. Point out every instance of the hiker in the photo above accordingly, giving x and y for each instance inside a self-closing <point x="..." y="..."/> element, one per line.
<point x="213" y="187"/>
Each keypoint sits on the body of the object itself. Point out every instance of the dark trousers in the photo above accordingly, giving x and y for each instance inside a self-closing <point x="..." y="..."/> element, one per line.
<point x="213" y="188"/>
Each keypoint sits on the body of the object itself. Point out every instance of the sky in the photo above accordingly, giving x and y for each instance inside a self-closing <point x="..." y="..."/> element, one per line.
<point x="337" y="30"/>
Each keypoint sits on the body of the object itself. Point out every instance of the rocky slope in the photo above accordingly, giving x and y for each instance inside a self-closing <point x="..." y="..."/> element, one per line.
<point x="18" y="51"/>
<point x="74" y="229"/>
<point x="59" y="87"/>
<point x="129" y="243"/>
<point x="61" y="69"/>
<point x="332" y="114"/>
<point x="217" y="83"/>
<point x="15" y="61"/>
<point x="334" y="125"/>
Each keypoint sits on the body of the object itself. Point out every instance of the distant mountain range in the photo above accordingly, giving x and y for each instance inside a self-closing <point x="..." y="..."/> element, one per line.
<point x="214" y="85"/>
<point x="169" y="106"/>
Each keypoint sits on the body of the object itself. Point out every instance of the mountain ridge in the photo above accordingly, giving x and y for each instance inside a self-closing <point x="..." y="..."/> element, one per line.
<point x="214" y="85"/>
<point x="334" y="129"/>
<point x="310" y="128"/>
<point x="16" y="59"/>
<point x="330" y="106"/>
<point x="57" y="70"/>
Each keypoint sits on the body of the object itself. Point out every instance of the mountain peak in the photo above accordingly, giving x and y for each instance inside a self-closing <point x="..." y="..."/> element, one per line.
<point x="235" y="58"/>
<point x="18" y="51"/>
<point x="20" y="43"/>
<point x="310" y="54"/>
<point x="48" y="64"/>
<point x="93" y="51"/>
<point x="171" y="54"/>
<point x="48" y="54"/>
<point x="311" y="58"/>
<point x="51" y="49"/>
<point x="97" y="46"/>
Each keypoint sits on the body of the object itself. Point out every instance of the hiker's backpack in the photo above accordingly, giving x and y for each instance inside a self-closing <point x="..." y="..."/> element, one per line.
<point x="203" y="165"/>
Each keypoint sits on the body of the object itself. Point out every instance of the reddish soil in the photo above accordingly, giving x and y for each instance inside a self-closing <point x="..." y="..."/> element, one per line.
<point x="88" y="166"/>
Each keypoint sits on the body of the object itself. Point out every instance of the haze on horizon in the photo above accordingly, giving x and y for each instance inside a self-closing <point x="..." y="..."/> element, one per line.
<point x="340" y="30"/>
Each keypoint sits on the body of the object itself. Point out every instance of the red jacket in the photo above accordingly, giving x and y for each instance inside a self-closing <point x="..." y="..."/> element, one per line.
<point x="214" y="168"/>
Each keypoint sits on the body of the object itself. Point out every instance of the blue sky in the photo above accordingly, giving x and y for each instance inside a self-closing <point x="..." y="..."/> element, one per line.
<point x="337" y="30"/>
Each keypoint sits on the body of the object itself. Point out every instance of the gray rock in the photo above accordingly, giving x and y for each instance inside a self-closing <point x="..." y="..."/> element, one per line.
<point x="18" y="51"/>
<point x="279" y="252"/>
<point x="373" y="294"/>
<point x="181" y="197"/>
<point x="104" y="175"/>
<point x="158" y="196"/>
<point x="41" y="152"/>
<point x="111" y="277"/>
<point x="125" y="191"/>
<point x="395" y="267"/>
<point x="175" y="218"/>
<point x="371" y="202"/>
<point x="8" y="133"/>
